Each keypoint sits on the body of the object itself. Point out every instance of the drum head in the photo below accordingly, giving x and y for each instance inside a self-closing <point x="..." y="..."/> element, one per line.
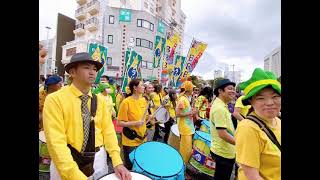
<point x="42" y="137"/>
<point x="134" y="175"/>
<point x="162" y="115"/>
<point x="158" y="159"/>
<point x="175" y="130"/>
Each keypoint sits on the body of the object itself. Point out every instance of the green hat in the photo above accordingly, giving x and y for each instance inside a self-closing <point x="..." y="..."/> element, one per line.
<point x="101" y="87"/>
<point x="259" y="80"/>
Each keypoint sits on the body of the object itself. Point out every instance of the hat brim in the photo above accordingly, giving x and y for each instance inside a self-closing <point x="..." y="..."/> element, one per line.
<point x="70" y="65"/>
<point x="215" y="91"/>
<point x="254" y="91"/>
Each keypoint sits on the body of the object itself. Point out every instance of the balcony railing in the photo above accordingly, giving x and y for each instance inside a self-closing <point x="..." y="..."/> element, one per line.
<point x="79" y="30"/>
<point x="93" y="7"/>
<point x="81" y="2"/>
<point x="80" y="13"/>
<point x="92" y="24"/>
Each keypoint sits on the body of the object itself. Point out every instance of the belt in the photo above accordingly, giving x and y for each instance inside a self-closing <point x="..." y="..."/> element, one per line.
<point x="98" y="148"/>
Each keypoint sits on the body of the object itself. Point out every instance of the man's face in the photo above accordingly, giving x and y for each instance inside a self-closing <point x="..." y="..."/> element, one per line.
<point x="103" y="80"/>
<point x="84" y="73"/>
<point x="228" y="93"/>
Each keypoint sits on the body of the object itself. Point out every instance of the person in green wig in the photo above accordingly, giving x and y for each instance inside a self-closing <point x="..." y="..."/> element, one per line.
<point x="258" y="149"/>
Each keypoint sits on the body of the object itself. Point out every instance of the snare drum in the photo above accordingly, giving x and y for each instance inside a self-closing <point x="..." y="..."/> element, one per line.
<point x="205" y="126"/>
<point x="157" y="161"/>
<point x="201" y="157"/>
<point x="44" y="157"/>
<point x="162" y="115"/>
<point x="174" y="137"/>
<point x="134" y="175"/>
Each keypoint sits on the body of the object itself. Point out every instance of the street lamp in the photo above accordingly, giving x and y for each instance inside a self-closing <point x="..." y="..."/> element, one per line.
<point x="46" y="60"/>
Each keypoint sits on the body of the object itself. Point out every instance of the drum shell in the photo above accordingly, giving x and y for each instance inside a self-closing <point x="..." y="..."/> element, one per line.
<point x="174" y="137"/>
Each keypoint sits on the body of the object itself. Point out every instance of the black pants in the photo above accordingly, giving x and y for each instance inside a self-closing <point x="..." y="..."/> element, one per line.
<point x="156" y="135"/>
<point x="197" y="124"/>
<point x="167" y="128"/>
<point x="126" y="151"/>
<point x="224" y="167"/>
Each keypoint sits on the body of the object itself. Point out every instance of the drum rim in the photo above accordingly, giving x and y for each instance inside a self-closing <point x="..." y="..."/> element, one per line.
<point x="134" y="160"/>
<point x="167" y="112"/>
<point x="129" y="171"/>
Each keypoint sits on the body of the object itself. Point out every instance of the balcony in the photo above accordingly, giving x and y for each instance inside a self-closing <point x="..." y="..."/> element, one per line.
<point x="81" y="2"/>
<point x="79" y="30"/>
<point x="93" y="7"/>
<point x="92" y="24"/>
<point x="80" y="14"/>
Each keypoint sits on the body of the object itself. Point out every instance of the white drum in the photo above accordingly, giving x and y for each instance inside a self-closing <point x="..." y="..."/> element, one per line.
<point x="134" y="175"/>
<point x="162" y="115"/>
<point x="42" y="137"/>
<point x="174" y="137"/>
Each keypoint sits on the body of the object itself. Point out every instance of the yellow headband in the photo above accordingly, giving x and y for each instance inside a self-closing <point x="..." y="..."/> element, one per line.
<point x="261" y="82"/>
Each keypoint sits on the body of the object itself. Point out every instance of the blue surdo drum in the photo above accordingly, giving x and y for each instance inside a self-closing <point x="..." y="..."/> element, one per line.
<point x="158" y="161"/>
<point x="205" y="126"/>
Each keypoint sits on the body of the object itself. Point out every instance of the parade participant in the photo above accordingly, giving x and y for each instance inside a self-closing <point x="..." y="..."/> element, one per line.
<point x="42" y="81"/>
<point x="184" y="114"/>
<point x="240" y="111"/>
<point x="171" y="108"/>
<point x="52" y="84"/>
<point x="77" y="127"/>
<point x="195" y="93"/>
<point x="157" y="100"/>
<point x="119" y="97"/>
<point x="202" y="102"/>
<point x="259" y="154"/>
<point x="104" y="89"/>
<point x="222" y="147"/>
<point x="149" y="90"/>
<point x="104" y="79"/>
<point x="132" y="116"/>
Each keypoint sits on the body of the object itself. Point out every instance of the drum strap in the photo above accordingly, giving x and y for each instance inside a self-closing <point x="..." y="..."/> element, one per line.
<point x="85" y="160"/>
<point x="265" y="129"/>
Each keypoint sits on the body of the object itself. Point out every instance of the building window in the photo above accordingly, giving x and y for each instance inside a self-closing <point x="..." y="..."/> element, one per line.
<point x="149" y="65"/>
<point x="144" y="64"/>
<point x="110" y="39"/>
<point x="146" y="5"/>
<point x="71" y="51"/>
<point x="139" y="22"/>
<point x="109" y="61"/>
<point x="144" y="43"/>
<point x="145" y="24"/>
<point x="111" y="19"/>
<point x="151" y="10"/>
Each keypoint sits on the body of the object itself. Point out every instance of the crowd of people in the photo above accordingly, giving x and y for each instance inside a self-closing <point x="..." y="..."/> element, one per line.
<point x="80" y="122"/>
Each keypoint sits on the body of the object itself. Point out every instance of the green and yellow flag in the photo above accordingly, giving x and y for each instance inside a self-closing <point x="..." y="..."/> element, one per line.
<point x="98" y="53"/>
<point x="158" y="52"/>
<point x="178" y="67"/>
<point x="132" y="68"/>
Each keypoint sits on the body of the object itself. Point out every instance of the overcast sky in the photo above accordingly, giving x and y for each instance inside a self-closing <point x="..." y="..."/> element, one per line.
<point x="239" y="32"/>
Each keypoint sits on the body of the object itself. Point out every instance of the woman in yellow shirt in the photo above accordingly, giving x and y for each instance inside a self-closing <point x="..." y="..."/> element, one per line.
<point x="257" y="154"/>
<point x="203" y="101"/>
<point x="132" y="115"/>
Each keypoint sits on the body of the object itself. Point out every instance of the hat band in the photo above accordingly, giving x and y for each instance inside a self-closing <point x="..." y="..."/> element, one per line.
<point x="261" y="82"/>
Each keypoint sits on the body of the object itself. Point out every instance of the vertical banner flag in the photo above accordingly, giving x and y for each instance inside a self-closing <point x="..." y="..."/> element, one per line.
<point x="178" y="66"/>
<point x="132" y="69"/>
<point x="159" y="48"/>
<point x="195" y="52"/>
<point x="171" y="45"/>
<point x="98" y="53"/>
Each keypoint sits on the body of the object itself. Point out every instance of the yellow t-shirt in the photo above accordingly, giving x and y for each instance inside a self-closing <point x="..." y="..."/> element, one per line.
<point x="169" y="107"/>
<point x="203" y="103"/>
<point x="244" y="109"/>
<point x="119" y="99"/>
<point x="63" y="124"/>
<point x="133" y="110"/>
<point x="220" y="117"/>
<point x="255" y="149"/>
<point x="110" y="105"/>
<point x="156" y="98"/>
<point x="185" y="124"/>
<point x="42" y="97"/>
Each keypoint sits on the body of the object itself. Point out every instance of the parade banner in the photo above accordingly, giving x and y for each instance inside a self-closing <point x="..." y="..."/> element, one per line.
<point x="171" y="45"/>
<point x="98" y="53"/>
<point x="132" y="68"/>
<point x="178" y="67"/>
<point x="158" y="52"/>
<point x="195" y="52"/>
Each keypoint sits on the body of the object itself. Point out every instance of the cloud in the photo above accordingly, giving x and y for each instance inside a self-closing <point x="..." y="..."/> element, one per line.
<point x="237" y="32"/>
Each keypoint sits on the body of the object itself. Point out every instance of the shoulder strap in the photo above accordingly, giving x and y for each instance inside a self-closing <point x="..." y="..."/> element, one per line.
<point x="265" y="128"/>
<point x="94" y="105"/>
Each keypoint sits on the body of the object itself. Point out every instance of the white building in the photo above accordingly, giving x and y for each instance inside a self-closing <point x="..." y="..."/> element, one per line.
<point x="272" y="62"/>
<point x="234" y="76"/>
<point x="217" y="74"/>
<point x="51" y="56"/>
<point x="98" y="21"/>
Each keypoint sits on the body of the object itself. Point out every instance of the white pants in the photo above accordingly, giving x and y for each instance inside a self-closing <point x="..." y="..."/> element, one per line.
<point x="99" y="165"/>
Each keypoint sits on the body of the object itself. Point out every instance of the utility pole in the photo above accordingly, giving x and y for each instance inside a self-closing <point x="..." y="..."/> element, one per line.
<point x="46" y="59"/>
<point x="233" y="72"/>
